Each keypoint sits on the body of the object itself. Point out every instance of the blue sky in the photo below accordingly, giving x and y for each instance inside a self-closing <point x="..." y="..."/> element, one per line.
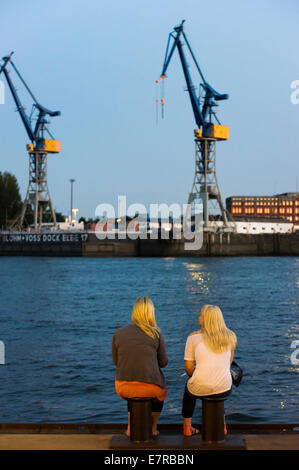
<point x="97" y="62"/>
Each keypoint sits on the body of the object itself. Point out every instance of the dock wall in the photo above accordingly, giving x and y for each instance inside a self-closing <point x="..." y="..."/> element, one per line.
<point x="87" y="245"/>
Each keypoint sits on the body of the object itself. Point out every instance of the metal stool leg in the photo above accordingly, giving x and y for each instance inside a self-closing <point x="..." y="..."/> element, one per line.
<point x="140" y="419"/>
<point x="212" y="420"/>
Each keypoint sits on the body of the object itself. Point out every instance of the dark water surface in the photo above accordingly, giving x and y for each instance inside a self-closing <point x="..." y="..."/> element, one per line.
<point x="58" y="316"/>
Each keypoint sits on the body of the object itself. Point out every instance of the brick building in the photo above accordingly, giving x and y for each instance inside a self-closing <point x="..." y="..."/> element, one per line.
<point x="284" y="206"/>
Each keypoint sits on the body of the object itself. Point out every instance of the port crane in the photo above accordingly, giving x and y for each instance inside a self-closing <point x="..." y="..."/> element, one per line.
<point x="205" y="189"/>
<point x="37" y="196"/>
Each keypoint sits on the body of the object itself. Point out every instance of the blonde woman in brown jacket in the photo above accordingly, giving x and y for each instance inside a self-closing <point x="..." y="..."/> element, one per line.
<point x="139" y="353"/>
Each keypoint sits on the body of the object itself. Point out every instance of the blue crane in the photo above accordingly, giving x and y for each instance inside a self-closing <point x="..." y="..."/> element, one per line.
<point x="205" y="190"/>
<point x="36" y="134"/>
<point x="202" y="107"/>
<point x="37" y="194"/>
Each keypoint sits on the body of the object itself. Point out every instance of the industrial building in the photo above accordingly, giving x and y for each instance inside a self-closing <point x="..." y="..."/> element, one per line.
<point x="282" y="206"/>
<point x="257" y="225"/>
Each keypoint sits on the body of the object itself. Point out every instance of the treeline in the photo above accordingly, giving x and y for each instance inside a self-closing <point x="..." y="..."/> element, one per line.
<point x="10" y="198"/>
<point x="11" y="202"/>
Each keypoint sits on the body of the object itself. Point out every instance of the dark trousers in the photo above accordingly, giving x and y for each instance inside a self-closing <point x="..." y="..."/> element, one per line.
<point x="156" y="406"/>
<point x="189" y="401"/>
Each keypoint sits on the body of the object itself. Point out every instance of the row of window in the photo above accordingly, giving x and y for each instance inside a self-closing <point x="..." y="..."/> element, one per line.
<point x="288" y="210"/>
<point x="263" y="210"/>
<point x="255" y="198"/>
<point x="287" y="203"/>
<point x="237" y="210"/>
<point x="263" y="200"/>
<point x="283" y="203"/>
<point x="263" y="228"/>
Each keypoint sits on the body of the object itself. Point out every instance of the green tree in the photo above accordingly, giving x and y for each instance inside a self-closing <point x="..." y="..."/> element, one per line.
<point x="60" y="217"/>
<point x="10" y="198"/>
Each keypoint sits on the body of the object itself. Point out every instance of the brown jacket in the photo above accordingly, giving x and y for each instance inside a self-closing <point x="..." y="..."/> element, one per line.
<point x="138" y="357"/>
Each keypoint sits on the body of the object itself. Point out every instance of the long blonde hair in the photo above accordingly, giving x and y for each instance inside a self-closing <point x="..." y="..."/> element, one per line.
<point x="143" y="315"/>
<point x="215" y="333"/>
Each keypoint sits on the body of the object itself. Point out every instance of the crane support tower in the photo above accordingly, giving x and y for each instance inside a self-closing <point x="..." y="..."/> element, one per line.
<point x="37" y="196"/>
<point x="205" y="189"/>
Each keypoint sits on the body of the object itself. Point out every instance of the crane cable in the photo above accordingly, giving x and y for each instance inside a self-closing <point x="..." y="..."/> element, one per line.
<point x="161" y="100"/>
<point x="157" y="106"/>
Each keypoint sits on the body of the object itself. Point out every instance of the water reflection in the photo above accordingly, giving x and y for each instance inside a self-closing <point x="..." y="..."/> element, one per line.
<point x="200" y="276"/>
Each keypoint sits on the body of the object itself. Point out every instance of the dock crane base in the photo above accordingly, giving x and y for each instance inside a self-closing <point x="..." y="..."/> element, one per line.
<point x="38" y="195"/>
<point x="205" y="188"/>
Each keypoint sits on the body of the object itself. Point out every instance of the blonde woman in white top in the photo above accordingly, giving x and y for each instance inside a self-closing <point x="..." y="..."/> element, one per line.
<point x="208" y="356"/>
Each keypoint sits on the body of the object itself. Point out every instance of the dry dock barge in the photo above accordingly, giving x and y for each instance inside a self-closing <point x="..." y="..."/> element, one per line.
<point x="88" y="245"/>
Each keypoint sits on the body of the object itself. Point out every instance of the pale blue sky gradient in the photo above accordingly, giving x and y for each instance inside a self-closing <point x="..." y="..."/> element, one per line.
<point x="97" y="62"/>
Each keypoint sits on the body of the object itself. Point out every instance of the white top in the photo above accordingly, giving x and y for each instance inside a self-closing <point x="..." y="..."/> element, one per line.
<point x="212" y="372"/>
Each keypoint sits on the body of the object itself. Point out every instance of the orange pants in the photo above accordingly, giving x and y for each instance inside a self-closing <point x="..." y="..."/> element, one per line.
<point x="139" y="389"/>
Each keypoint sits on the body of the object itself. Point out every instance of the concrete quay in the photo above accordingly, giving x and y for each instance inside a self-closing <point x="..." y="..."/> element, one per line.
<point x="106" y="436"/>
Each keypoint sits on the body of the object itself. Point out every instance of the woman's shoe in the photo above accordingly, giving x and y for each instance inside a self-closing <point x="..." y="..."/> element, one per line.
<point x="190" y="430"/>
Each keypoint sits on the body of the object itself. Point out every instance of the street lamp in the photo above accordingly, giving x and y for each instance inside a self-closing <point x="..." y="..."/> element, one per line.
<point x="71" y="216"/>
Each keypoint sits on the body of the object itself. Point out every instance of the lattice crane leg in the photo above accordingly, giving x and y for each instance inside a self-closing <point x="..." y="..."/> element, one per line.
<point x="205" y="188"/>
<point x="38" y="195"/>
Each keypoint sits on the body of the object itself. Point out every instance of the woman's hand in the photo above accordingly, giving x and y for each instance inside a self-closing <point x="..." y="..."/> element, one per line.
<point x="189" y="368"/>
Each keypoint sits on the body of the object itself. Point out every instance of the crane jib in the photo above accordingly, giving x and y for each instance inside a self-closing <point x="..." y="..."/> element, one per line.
<point x="36" y="135"/>
<point x="203" y="107"/>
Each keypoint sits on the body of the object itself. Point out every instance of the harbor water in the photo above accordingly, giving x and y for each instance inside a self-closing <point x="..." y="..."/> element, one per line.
<point x="58" y="316"/>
